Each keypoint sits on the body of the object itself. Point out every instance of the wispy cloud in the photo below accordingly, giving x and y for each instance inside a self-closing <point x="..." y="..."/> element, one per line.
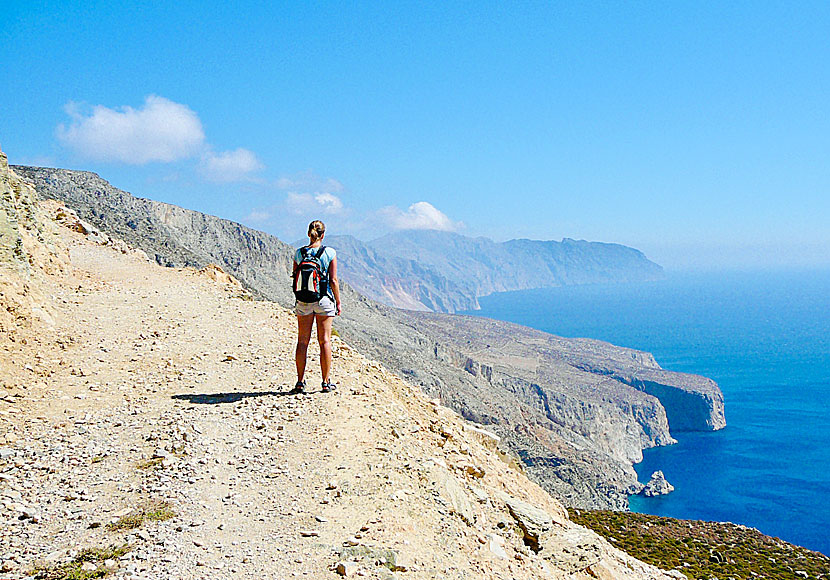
<point x="421" y="215"/>
<point x="161" y="130"/>
<point x="236" y="165"/>
<point x="301" y="198"/>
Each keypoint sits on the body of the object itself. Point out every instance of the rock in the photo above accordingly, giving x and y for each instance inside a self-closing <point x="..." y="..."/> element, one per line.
<point x="480" y="494"/>
<point x="217" y="274"/>
<point x="28" y="513"/>
<point x="533" y="521"/>
<point x="404" y="562"/>
<point x="570" y="550"/>
<point x="346" y="568"/>
<point x="475" y="470"/>
<point x="160" y="453"/>
<point x="496" y="545"/>
<point x="657" y="485"/>
<point x="449" y="487"/>
<point x="487" y="438"/>
<point x="309" y="533"/>
<point x="88" y="567"/>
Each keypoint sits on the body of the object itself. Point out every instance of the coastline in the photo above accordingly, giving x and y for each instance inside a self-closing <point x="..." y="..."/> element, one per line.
<point x="762" y="337"/>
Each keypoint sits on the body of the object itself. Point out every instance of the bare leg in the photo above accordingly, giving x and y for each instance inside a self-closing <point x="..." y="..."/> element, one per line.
<point x="304" y="324"/>
<point x="324" y="338"/>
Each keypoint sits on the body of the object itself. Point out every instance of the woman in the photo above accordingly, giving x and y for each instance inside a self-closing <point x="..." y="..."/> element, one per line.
<point x="323" y="311"/>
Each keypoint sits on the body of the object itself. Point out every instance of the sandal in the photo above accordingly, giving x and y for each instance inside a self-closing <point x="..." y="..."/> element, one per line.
<point x="328" y="386"/>
<point x="299" y="387"/>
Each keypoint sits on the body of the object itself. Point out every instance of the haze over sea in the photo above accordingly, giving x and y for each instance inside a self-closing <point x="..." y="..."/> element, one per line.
<point x="765" y="338"/>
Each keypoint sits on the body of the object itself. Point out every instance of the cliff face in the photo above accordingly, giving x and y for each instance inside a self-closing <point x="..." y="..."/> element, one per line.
<point x="446" y="272"/>
<point x="573" y="410"/>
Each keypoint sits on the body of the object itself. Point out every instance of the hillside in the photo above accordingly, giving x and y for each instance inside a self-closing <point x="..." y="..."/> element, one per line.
<point x="704" y="550"/>
<point x="145" y="431"/>
<point x="446" y="272"/>
<point x="579" y="413"/>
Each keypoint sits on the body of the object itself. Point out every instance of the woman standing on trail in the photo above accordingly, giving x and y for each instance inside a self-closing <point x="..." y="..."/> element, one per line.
<point x="318" y="298"/>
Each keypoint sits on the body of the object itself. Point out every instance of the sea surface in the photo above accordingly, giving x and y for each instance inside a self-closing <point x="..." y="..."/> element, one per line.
<point x="765" y="339"/>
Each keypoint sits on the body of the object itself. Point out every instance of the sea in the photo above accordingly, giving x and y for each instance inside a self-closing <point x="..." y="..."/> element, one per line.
<point x="765" y="338"/>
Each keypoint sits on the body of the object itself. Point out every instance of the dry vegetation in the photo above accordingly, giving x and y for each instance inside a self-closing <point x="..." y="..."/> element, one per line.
<point x="705" y="549"/>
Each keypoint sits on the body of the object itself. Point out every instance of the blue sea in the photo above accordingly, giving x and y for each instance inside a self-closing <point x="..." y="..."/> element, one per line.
<point x="765" y="338"/>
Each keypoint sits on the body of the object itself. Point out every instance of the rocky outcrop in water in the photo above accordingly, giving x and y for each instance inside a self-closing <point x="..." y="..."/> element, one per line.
<point x="657" y="485"/>
<point x="576" y="412"/>
<point x="447" y="272"/>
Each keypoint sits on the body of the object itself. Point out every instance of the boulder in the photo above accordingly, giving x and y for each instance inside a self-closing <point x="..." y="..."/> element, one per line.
<point x="657" y="485"/>
<point x="568" y="547"/>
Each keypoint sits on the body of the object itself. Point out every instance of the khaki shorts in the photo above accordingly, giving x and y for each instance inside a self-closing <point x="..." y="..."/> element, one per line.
<point x="325" y="306"/>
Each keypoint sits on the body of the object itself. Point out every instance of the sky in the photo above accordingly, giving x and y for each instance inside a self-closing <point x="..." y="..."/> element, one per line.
<point x="697" y="132"/>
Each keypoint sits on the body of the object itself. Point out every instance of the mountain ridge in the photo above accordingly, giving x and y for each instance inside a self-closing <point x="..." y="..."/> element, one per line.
<point x="586" y="467"/>
<point x="447" y="272"/>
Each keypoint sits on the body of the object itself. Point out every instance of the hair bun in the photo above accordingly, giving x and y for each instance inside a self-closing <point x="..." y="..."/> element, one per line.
<point x="316" y="229"/>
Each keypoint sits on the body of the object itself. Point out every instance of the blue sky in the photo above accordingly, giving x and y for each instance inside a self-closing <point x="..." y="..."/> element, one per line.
<point x="698" y="132"/>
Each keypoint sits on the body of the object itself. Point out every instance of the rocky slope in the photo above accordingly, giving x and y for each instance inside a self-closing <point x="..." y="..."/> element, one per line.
<point x="577" y="412"/>
<point x="446" y="272"/>
<point x="26" y="253"/>
<point x="145" y="432"/>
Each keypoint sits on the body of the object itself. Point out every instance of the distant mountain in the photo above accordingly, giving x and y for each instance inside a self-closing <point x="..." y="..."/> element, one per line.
<point x="447" y="272"/>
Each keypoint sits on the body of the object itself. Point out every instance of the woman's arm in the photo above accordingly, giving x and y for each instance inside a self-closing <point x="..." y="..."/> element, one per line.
<point x="294" y="264"/>
<point x="335" y="285"/>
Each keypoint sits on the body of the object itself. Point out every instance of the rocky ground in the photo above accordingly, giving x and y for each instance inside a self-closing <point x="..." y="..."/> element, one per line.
<point x="146" y="432"/>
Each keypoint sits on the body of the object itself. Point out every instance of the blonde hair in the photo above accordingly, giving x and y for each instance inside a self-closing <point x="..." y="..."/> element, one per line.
<point x="316" y="229"/>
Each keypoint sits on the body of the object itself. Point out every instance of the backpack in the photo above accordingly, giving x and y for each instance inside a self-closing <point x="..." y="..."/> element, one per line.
<point x="310" y="280"/>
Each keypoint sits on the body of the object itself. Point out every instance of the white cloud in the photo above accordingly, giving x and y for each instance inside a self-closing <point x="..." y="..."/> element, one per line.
<point x="312" y="203"/>
<point x="159" y="131"/>
<point x="309" y="181"/>
<point x="419" y="216"/>
<point x="259" y="216"/>
<point x="236" y="165"/>
<point x="329" y="202"/>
